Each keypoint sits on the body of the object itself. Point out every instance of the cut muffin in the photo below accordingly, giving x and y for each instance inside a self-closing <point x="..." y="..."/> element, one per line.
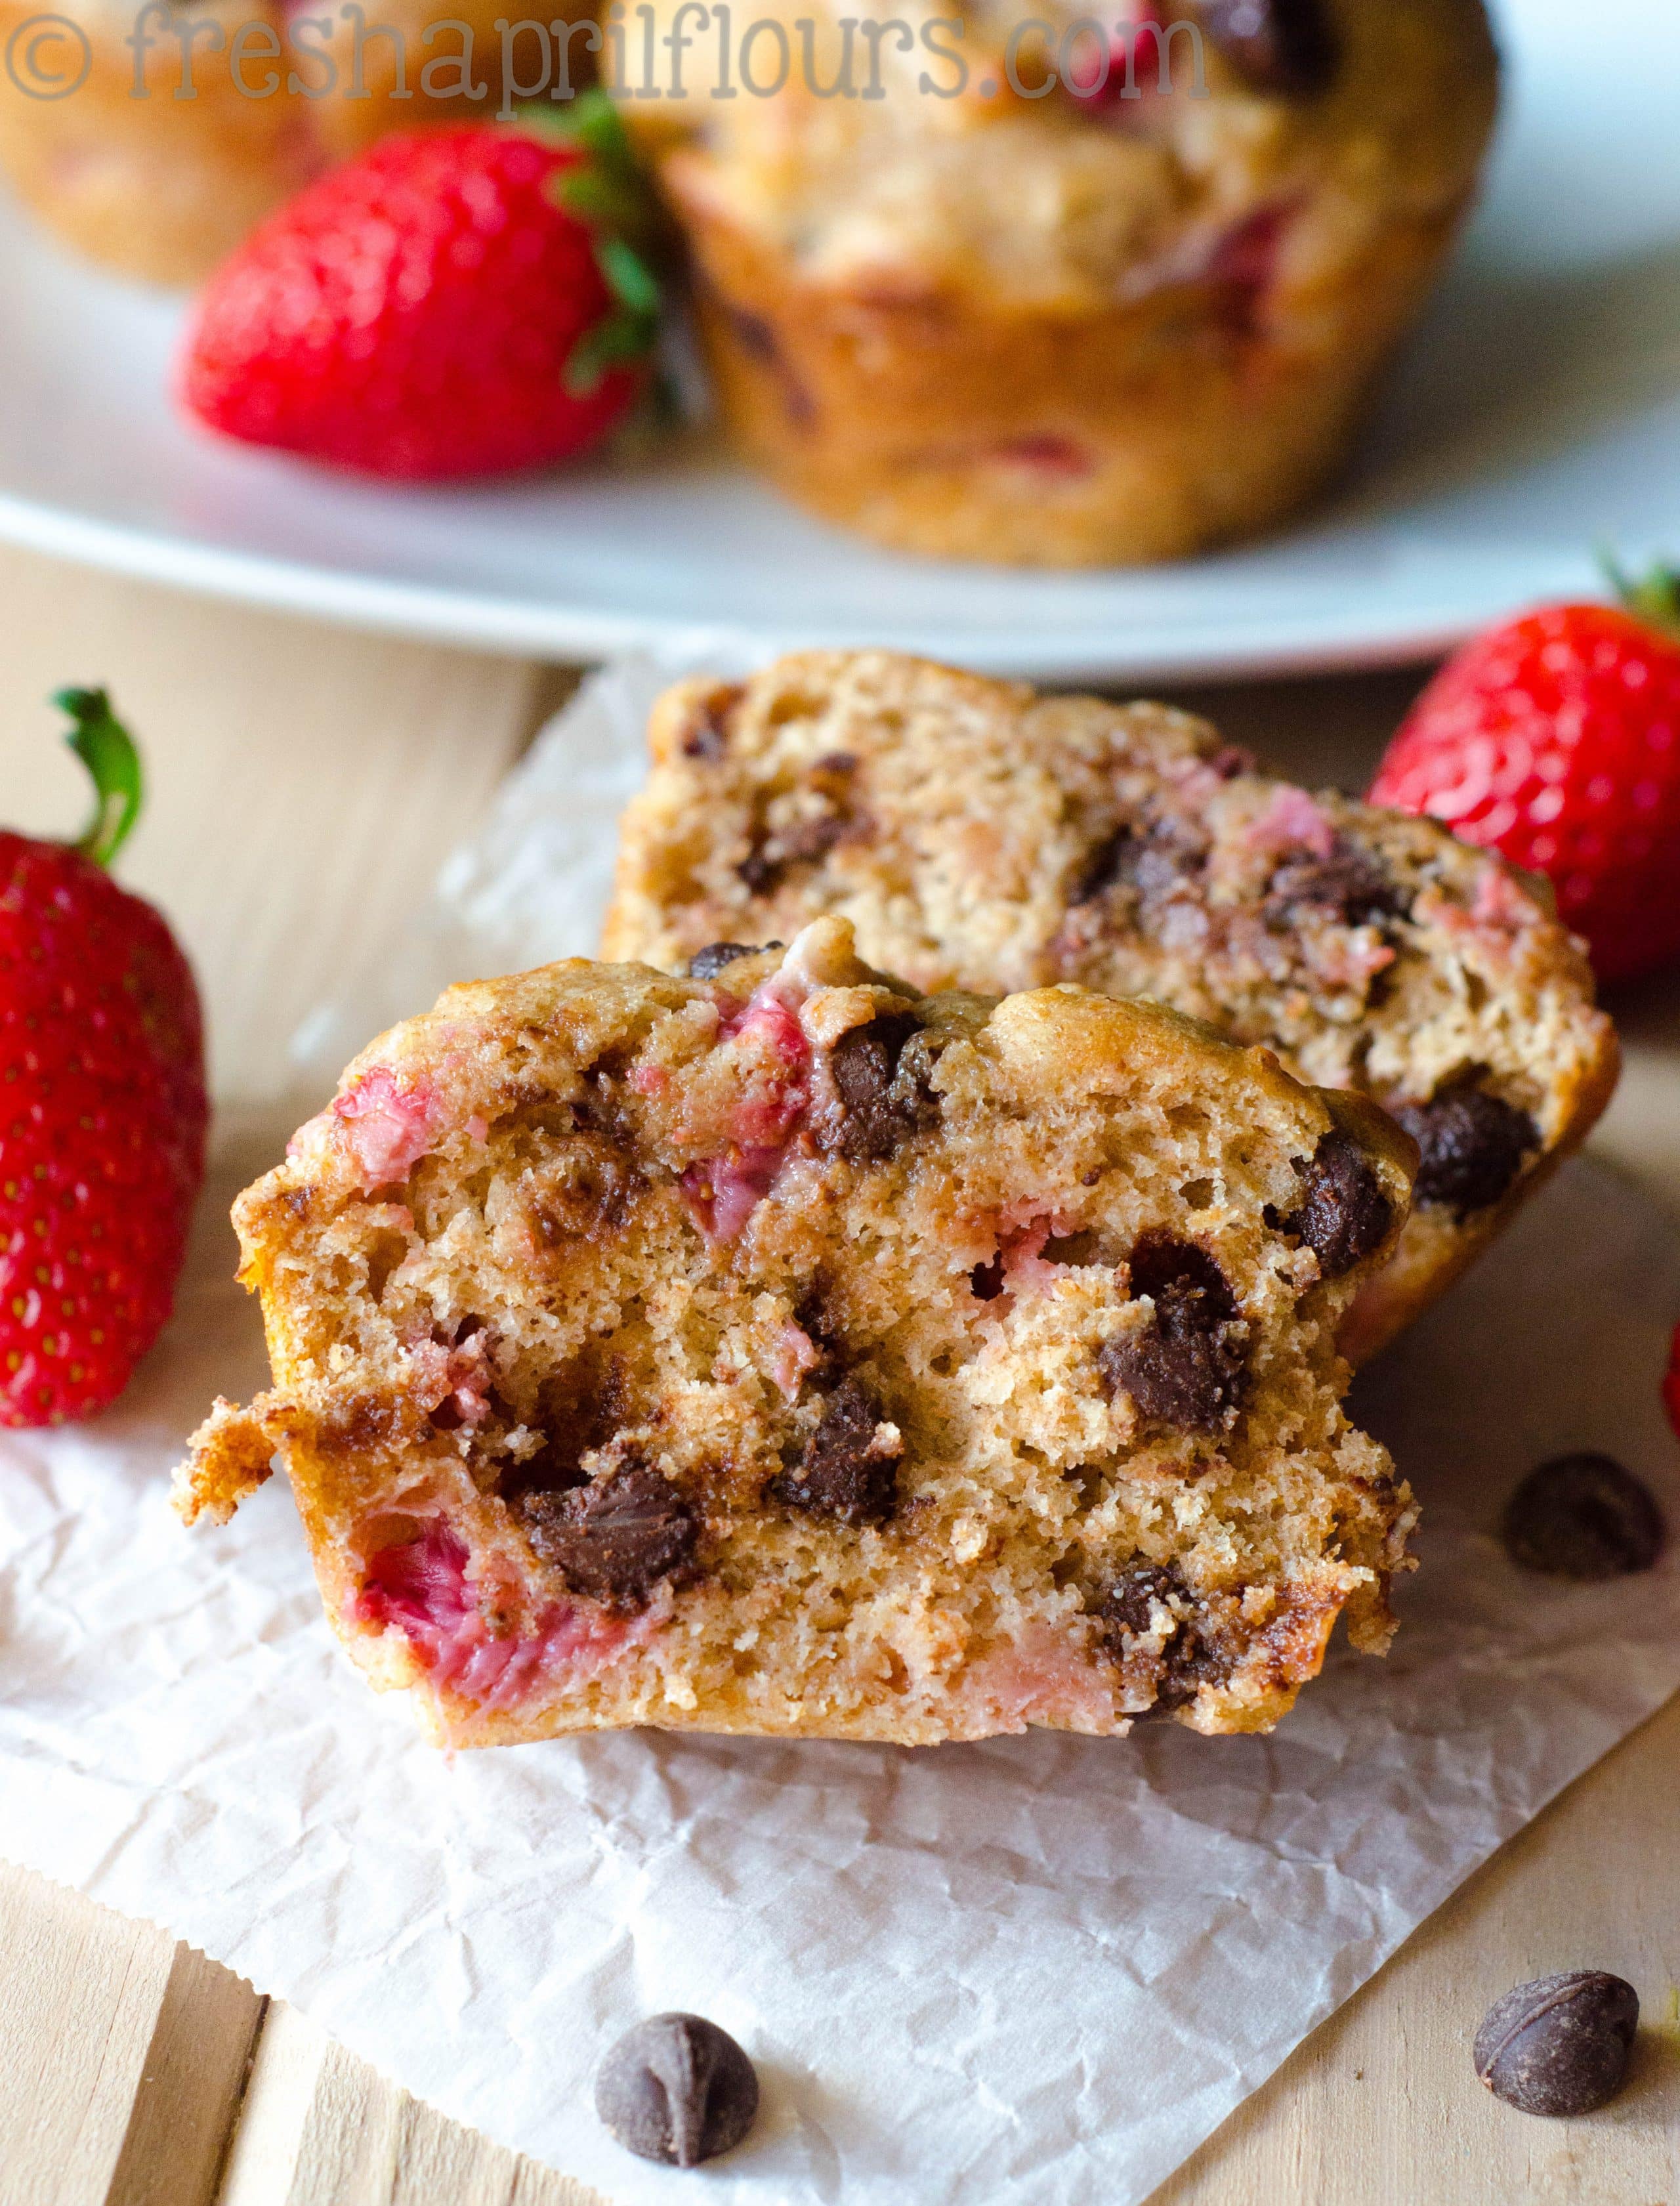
<point x="776" y="1350"/>
<point x="978" y="835"/>
<point x="1025" y="296"/>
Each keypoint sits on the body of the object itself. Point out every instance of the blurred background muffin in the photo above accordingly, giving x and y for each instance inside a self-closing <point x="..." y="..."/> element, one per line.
<point x="162" y="186"/>
<point x="1041" y="293"/>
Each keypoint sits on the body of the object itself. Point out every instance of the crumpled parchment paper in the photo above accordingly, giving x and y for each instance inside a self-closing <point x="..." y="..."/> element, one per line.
<point x="1043" y="1968"/>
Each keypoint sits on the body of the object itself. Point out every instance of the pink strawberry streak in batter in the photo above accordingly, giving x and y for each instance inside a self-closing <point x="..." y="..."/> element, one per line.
<point x="389" y="1124"/>
<point x="1293" y="821"/>
<point x="422" y="1590"/>
<point x="1043" y="1677"/>
<point x="722" y="1192"/>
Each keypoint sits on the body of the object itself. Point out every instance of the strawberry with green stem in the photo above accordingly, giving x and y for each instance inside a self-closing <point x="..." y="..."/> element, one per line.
<point x="101" y="1101"/>
<point x="457" y="302"/>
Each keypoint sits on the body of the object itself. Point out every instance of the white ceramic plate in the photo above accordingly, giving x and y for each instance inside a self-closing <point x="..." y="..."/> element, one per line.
<point x="1539" y="415"/>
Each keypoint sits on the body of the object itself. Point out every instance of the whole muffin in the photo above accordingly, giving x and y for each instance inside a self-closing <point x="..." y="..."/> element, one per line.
<point x="163" y="188"/>
<point x="977" y="312"/>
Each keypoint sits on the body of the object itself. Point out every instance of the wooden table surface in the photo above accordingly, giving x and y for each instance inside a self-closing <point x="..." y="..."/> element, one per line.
<point x="304" y="782"/>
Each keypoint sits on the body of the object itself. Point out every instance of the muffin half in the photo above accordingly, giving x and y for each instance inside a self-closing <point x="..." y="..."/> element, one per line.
<point x="979" y="835"/>
<point x="778" y="1350"/>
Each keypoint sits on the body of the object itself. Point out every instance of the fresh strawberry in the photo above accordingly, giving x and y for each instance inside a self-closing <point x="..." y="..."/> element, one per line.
<point x="102" y="1103"/>
<point x="456" y="302"/>
<point x="1556" y="739"/>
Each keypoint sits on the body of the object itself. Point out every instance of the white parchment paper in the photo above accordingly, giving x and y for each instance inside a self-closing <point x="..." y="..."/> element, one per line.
<point x="1042" y="1969"/>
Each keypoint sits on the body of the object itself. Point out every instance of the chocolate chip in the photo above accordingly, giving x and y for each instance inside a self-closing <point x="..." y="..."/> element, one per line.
<point x="1155" y="866"/>
<point x="882" y="1099"/>
<point x="1285" y="46"/>
<point x="849" y="1470"/>
<point x="1349" y="885"/>
<point x="1185" y="1367"/>
<point x="1130" y="1601"/>
<point x="707" y="734"/>
<point x="1473" y="1145"/>
<point x="766" y="863"/>
<point x="1127" y="1612"/>
<point x="614" y="1541"/>
<point x="1560" y="2044"/>
<point x="1104" y="868"/>
<point x="1344" y="1213"/>
<point x="707" y="964"/>
<point x="1583" y="1516"/>
<point x="678" y="2089"/>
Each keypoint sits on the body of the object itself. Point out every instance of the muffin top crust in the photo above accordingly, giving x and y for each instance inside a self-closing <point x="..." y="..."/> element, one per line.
<point x="1268" y="144"/>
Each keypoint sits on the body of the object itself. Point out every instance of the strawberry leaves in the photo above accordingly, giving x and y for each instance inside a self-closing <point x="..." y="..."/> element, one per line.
<point x="607" y="191"/>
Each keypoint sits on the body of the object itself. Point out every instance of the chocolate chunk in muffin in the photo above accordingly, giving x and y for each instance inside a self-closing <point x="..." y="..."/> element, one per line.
<point x="881" y="1101"/>
<point x="618" y="1539"/>
<point x="706" y="732"/>
<point x="1343" y="1214"/>
<point x="1185" y="1367"/>
<point x="848" y="1468"/>
<point x="1284" y="46"/>
<point x="1472" y="1145"/>
<point x="707" y="964"/>
<point x="1127" y="1613"/>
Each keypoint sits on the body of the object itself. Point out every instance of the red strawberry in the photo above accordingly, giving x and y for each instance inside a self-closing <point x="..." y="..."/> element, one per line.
<point x="1555" y="740"/>
<point x="1671" y="1383"/>
<point x="456" y="302"/>
<point x="102" y="1103"/>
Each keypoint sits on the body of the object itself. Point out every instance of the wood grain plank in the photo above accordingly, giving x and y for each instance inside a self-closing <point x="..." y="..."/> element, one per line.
<point x="80" y="1992"/>
<point x="321" y="2128"/>
<point x="190" y="2087"/>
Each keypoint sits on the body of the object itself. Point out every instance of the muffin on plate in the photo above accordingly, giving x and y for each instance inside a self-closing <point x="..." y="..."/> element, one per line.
<point x="978" y="835"/>
<point x="1007" y="303"/>
<point x="778" y="1350"/>
<point x="163" y="187"/>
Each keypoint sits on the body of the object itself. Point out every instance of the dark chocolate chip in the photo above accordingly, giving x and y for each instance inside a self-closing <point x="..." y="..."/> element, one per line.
<point x="1583" y="1516"/>
<point x="1105" y="868"/>
<point x="614" y="1541"/>
<point x="1154" y="866"/>
<point x="1129" y="1602"/>
<point x="707" y="964"/>
<point x="1185" y="1367"/>
<point x="766" y="863"/>
<point x="1560" y="2044"/>
<point x="883" y="1100"/>
<point x="708" y="733"/>
<point x="1473" y="1145"/>
<point x="1344" y="1213"/>
<point x="1187" y="1662"/>
<point x="678" y="2089"/>
<point x="1285" y="46"/>
<point x="845" y="1470"/>
<point x="1350" y="884"/>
